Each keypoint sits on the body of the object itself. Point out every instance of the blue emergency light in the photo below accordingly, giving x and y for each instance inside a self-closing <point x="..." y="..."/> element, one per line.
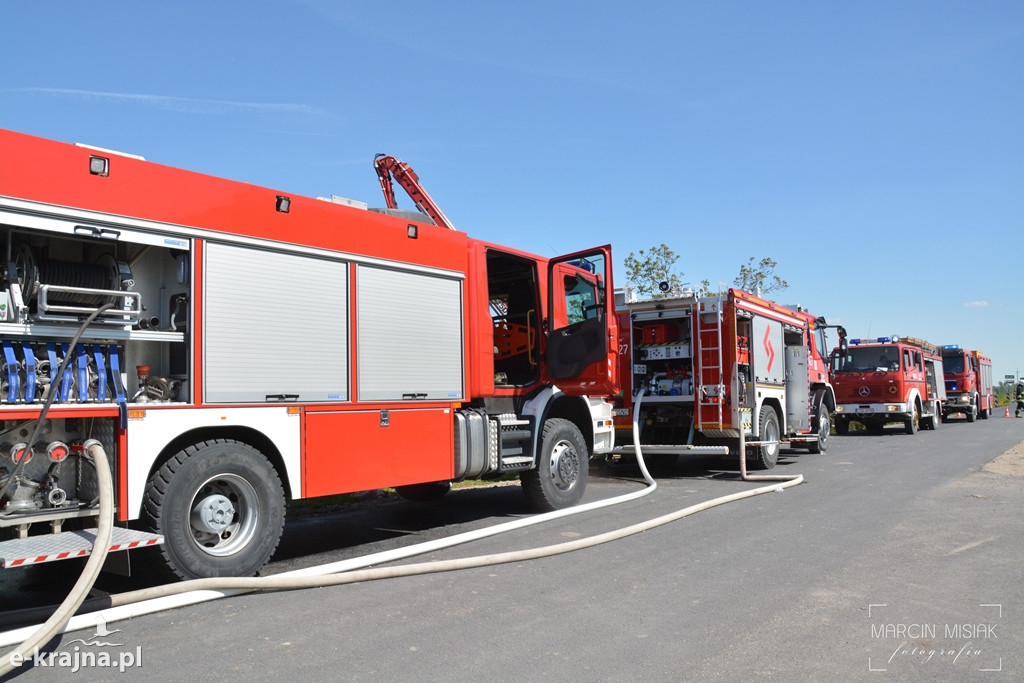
<point x="583" y="264"/>
<point x="878" y="340"/>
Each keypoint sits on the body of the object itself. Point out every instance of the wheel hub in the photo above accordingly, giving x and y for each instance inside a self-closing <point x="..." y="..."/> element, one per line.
<point x="213" y="514"/>
<point x="565" y="465"/>
<point x="771" y="435"/>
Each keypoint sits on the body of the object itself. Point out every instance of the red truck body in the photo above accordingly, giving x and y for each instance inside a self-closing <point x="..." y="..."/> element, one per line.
<point x="888" y="379"/>
<point x="240" y="346"/>
<point x="968" y="383"/>
<point x="710" y="367"/>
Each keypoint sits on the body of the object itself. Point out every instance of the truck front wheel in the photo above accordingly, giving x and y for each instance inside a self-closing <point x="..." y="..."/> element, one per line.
<point x="220" y="507"/>
<point x="560" y="477"/>
<point x="914" y="422"/>
<point x="824" y="422"/>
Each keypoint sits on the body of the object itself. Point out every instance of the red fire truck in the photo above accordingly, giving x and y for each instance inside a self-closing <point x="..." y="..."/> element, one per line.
<point x="709" y="367"/>
<point x="888" y="379"/>
<point x="968" y="383"/>
<point x="232" y="347"/>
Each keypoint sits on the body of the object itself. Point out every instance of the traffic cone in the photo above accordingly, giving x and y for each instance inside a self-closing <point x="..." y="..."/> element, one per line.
<point x="1007" y="413"/>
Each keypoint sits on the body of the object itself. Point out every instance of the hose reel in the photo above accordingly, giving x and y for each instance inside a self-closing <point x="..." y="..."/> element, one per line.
<point x="68" y="291"/>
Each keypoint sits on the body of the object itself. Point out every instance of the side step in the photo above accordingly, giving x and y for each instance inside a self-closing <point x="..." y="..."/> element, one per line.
<point x="21" y="552"/>
<point x="671" y="449"/>
<point x="515" y="448"/>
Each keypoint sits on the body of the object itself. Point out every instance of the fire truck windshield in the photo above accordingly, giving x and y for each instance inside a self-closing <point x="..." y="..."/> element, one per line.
<point x="869" y="359"/>
<point x="953" y="365"/>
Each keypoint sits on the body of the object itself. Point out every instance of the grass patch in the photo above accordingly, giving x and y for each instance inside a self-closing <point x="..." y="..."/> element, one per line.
<point x="475" y="483"/>
<point x="321" y="501"/>
<point x="342" y="499"/>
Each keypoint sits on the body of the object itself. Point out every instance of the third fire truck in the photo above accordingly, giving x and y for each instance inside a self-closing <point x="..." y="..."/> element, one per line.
<point x="968" y="383"/>
<point x="888" y="379"/>
<point x="709" y="367"/>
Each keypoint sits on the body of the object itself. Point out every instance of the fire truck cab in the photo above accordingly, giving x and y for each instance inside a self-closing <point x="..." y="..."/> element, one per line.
<point x="888" y="379"/>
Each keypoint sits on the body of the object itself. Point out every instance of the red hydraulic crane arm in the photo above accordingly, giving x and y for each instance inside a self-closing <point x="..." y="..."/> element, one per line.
<point x="389" y="167"/>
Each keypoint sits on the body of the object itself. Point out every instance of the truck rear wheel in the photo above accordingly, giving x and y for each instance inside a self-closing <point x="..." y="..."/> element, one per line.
<point x="560" y="477"/>
<point x="220" y="507"/>
<point x="767" y="454"/>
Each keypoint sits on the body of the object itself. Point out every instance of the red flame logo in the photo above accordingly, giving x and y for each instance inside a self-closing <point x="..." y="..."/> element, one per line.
<point x="769" y="349"/>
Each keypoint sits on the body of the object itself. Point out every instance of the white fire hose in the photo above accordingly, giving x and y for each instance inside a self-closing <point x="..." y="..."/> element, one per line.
<point x="104" y="531"/>
<point x="158" y="598"/>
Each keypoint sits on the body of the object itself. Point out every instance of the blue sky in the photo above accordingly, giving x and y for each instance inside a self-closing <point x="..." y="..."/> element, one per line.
<point x="874" y="149"/>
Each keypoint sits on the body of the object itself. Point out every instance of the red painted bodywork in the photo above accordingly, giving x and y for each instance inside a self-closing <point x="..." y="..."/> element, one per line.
<point x="343" y="447"/>
<point x="976" y="377"/>
<point x="735" y="350"/>
<point x="882" y="386"/>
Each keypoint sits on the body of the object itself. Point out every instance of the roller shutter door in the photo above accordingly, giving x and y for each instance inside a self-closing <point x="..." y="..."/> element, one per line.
<point x="409" y="332"/>
<point x="276" y="327"/>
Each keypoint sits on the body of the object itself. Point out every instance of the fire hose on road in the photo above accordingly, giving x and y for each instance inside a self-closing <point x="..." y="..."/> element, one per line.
<point x="149" y="600"/>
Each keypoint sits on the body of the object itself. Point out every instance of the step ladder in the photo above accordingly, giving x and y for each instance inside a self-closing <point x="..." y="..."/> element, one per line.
<point x="710" y="392"/>
<point x="21" y="552"/>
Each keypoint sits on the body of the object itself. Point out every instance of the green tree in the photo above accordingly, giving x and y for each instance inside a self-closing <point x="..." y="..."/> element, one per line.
<point x="760" y="276"/>
<point x="706" y="290"/>
<point x="648" y="268"/>
<point x="1004" y="392"/>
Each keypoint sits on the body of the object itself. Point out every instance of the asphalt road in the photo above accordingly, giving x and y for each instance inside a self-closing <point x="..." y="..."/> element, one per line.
<point x="900" y="558"/>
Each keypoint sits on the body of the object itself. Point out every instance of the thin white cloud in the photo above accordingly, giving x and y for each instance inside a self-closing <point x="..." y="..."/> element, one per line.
<point x="179" y="104"/>
<point x="450" y="51"/>
<point x="976" y="304"/>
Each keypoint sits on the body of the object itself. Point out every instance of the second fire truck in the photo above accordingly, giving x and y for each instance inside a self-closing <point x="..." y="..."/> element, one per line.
<point x="709" y="367"/>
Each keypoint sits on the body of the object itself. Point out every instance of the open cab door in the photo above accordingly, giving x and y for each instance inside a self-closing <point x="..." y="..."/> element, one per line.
<point x="581" y="344"/>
